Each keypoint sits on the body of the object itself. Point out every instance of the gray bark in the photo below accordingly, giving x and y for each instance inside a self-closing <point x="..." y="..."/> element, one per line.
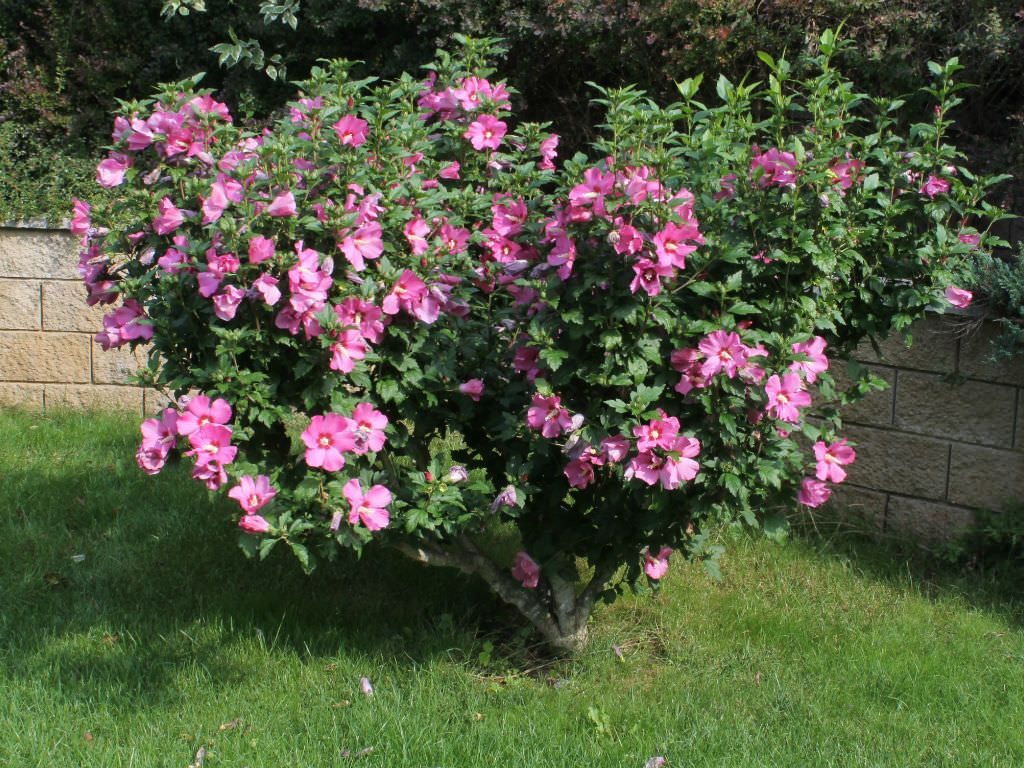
<point x="553" y="607"/>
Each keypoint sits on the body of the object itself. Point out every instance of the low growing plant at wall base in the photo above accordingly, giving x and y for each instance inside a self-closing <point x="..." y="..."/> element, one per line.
<point x="999" y="285"/>
<point x="404" y="319"/>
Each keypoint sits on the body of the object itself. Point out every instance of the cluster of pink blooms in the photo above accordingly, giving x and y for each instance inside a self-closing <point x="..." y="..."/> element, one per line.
<point x="830" y="460"/>
<point x="204" y="424"/>
<point x="253" y="494"/>
<point x="329" y="437"/>
<point x="773" y="168"/>
<point x="663" y="455"/>
<point x="720" y="352"/>
<point x="610" y="195"/>
<point x="122" y="325"/>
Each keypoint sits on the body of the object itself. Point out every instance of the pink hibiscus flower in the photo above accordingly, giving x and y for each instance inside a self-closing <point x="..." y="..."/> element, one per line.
<point x="200" y="411"/>
<point x="370" y="508"/>
<point x="350" y="347"/>
<point x="816" y="361"/>
<point x="327" y="438"/>
<point x="548" y="415"/>
<point x="253" y="494"/>
<point x="959" y="297"/>
<point x="831" y="459"/>
<point x="813" y="493"/>
<point x="786" y="396"/>
<point x="351" y="131"/>
<point x="525" y="570"/>
<point x="367" y="428"/>
<point x="472" y="389"/>
<point x="486" y="132"/>
<point x="656" y="566"/>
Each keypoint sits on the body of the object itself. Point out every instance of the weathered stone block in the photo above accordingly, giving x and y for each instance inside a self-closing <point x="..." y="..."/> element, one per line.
<point x="898" y="462"/>
<point x="933" y="347"/>
<point x="975" y="351"/>
<point x="28" y="396"/>
<point x="985" y="477"/>
<point x="876" y="408"/>
<point x="38" y="253"/>
<point x="926" y="522"/>
<point x="863" y="504"/>
<point x="43" y="357"/>
<point x="155" y="401"/>
<point x="20" y="305"/>
<point x="114" y="366"/>
<point x="64" y="308"/>
<point x="972" y="411"/>
<point x="94" y="396"/>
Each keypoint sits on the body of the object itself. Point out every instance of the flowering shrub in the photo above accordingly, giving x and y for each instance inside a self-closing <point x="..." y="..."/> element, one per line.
<point x="400" y="316"/>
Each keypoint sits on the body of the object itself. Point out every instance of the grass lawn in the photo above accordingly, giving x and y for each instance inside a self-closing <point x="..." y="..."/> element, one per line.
<point x="134" y="633"/>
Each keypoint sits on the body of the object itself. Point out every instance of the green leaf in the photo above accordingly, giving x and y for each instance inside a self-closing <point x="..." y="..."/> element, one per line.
<point x="265" y="546"/>
<point x="553" y="357"/>
<point x="732" y="483"/>
<point x="301" y="551"/>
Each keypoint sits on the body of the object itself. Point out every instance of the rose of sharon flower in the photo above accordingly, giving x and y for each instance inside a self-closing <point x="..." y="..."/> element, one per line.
<point x="813" y="493"/>
<point x="959" y="297"/>
<point x="525" y="570"/>
<point x="816" y="363"/>
<point x="786" y="396"/>
<point x="472" y="389"/>
<point x="253" y="494"/>
<point x="548" y="415"/>
<point x="934" y="186"/>
<point x="485" y="132"/>
<point x="506" y="498"/>
<point x="773" y="167"/>
<point x="367" y="428"/>
<point x="253" y="524"/>
<point x="282" y="206"/>
<point x="656" y="566"/>
<point x="351" y="131"/>
<point x="327" y="438"/>
<point x="200" y="411"/>
<point x="157" y="441"/>
<point x="831" y="459"/>
<point x="370" y="508"/>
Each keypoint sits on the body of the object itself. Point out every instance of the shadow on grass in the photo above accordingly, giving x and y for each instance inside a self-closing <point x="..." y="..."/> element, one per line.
<point x="995" y="587"/>
<point x="163" y="578"/>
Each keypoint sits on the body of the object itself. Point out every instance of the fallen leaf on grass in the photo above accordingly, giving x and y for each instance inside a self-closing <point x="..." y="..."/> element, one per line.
<point x="356" y="755"/>
<point x="200" y="757"/>
<point x="230" y="726"/>
<point x="330" y="667"/>
<point x="56" y="580"/>
<point x="87" y="736"/>
<point x="757" y="678"/>
<point x="478" y="716"/>
<point x="341" y="704"/>
<point x="111" y="638"/>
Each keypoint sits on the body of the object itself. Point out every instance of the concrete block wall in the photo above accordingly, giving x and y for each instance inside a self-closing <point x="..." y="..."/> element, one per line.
<point x="48" y="357"/>
<point x="945" y="438"/>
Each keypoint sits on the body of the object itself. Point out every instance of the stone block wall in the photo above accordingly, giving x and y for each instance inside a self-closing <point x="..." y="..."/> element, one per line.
<point x="946" y="436"/>
<point x="48" y="358"/>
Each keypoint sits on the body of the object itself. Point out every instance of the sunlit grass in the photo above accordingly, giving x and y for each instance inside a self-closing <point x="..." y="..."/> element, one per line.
<point x="163" y="640"/>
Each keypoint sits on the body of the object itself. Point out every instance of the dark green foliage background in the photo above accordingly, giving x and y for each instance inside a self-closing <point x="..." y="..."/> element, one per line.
<point x="63" y="64"/>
